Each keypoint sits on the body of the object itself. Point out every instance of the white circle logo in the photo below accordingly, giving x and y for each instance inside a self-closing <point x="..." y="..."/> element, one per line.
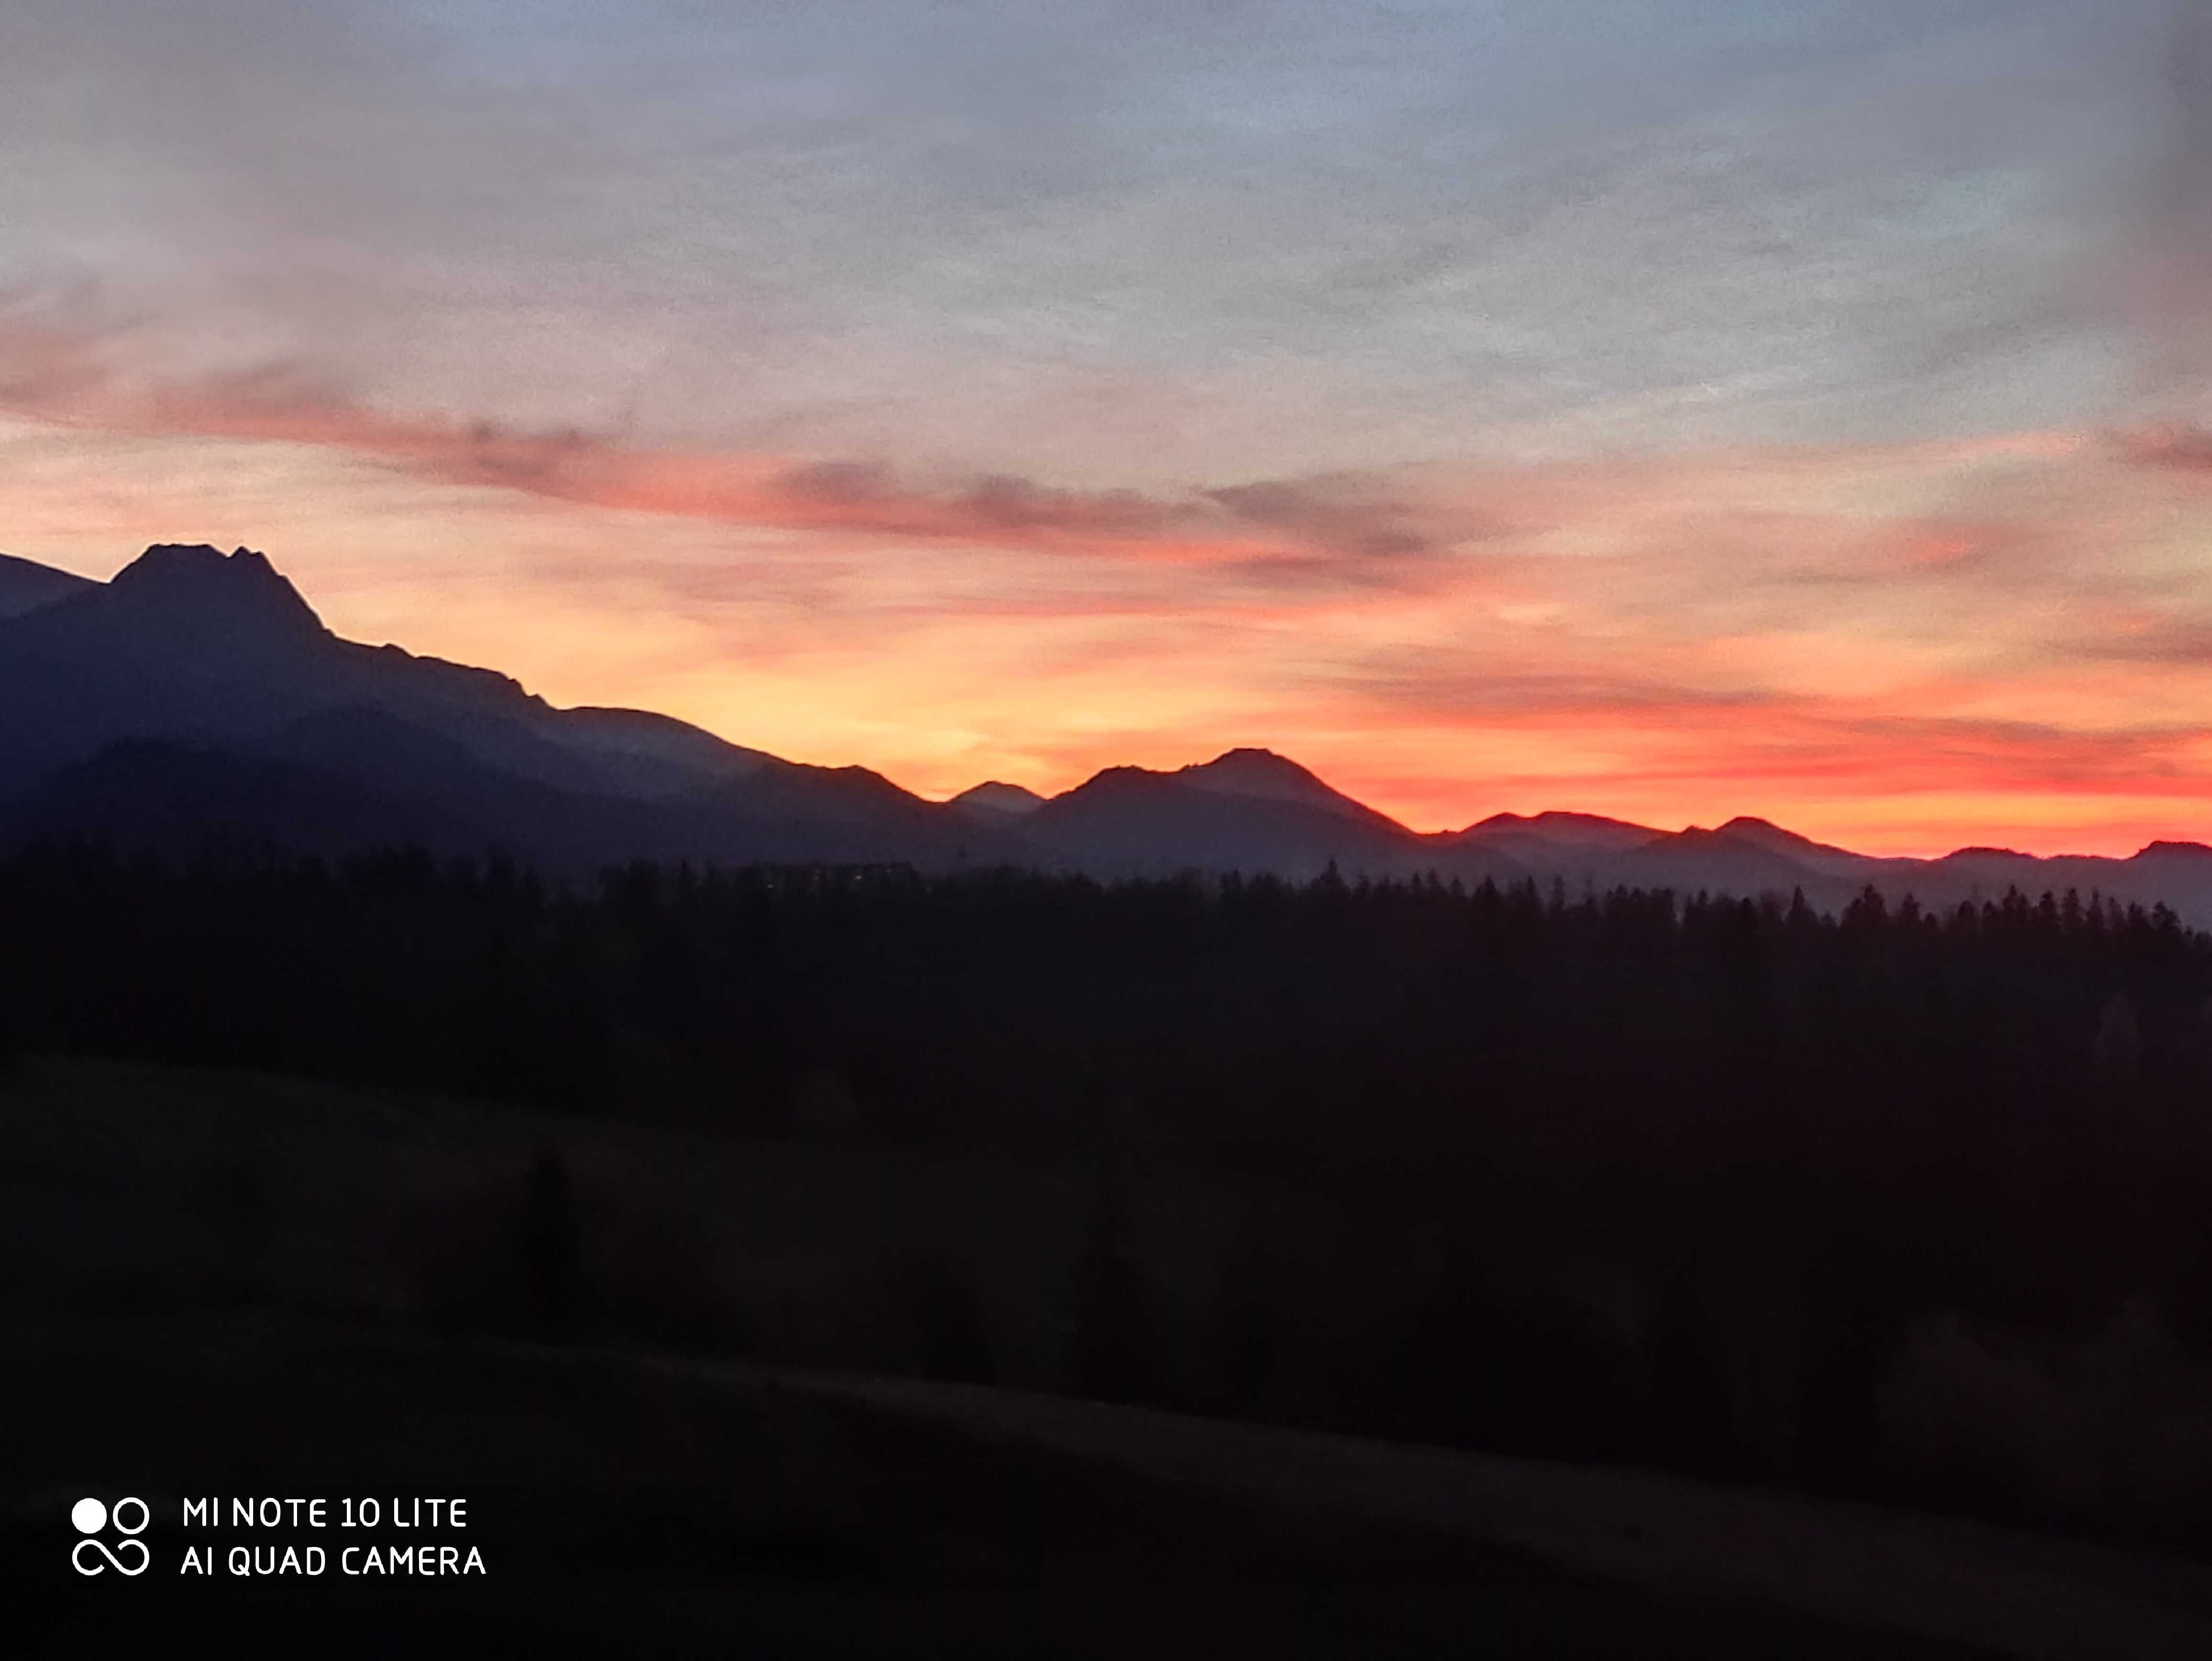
<point x="90" y="1517"/>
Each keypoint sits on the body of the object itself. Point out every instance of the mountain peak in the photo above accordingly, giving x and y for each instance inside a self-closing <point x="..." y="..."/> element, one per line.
<point x="1585" y="832"/>
<point x="195" y="577"/>
<point x="2173" y="850"/>
<point x="1249" y="771"/>
<point x="995" y="796"/>
<point x="1264" y="776"/>
<point x="1766" y="833"/>
<point x="1250" y="760"/>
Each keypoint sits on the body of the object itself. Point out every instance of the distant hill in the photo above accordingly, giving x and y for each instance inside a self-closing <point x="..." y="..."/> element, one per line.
<point x="198" y="694"/>
<point x="992" y="801"/>
<point x="1585" y="831"/>
<point x="1128" y="821"/>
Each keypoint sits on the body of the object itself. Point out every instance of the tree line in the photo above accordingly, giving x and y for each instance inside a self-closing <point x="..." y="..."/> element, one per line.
<point x="1996" y="1112"/>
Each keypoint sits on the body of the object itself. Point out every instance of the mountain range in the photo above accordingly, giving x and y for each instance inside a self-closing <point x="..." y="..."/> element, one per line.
<point x="197" y="694"/>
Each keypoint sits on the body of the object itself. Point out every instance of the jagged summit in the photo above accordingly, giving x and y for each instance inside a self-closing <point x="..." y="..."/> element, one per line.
<point x="193" y="578"/>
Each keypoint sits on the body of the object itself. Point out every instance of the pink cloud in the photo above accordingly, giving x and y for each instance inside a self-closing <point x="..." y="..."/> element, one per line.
<point x="1961" y="638"/>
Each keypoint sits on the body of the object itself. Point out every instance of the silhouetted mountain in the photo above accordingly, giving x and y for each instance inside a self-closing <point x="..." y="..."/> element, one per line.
<point x="1263" y="775"/>
<point x="26" y="586"/>
<point x="1251" y="815"/>
<point x="1723" y="861"/>
<point x="189" y="595"/>
<point x="993" y="802"/>
<point x="173" y="796"/>
<point x="2173" y="850"/>
<point x="653" y="751"/>
<point x="199" y="693"/>
<point x="1585" y="830"/>
<point x="1819" y="856"/>
<point x="1559" y="843"/>
<point x="190" y="654"/>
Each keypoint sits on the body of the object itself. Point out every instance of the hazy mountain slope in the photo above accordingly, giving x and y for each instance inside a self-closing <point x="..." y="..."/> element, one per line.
<point x="1718" y="861"/>
<point x="1753" y="856"/>
<point x="2176" y="874"/>
<point x="652" y="750"/>
<point x="994" y="803"/>
<point x="1559" y="831"/>
<point x="1803" y="850"/>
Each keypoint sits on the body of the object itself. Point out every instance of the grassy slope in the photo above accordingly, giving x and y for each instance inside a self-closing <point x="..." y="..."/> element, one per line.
<point x="649" y="1503"/>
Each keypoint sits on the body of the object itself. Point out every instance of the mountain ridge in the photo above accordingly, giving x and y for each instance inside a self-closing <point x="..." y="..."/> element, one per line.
<point x="190" y="654"/>
<point x="25" y="584"/>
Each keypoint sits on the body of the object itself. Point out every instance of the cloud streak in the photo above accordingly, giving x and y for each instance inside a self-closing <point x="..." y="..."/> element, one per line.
<point x="1913" y="646"/>
<point x="57" y="363"/>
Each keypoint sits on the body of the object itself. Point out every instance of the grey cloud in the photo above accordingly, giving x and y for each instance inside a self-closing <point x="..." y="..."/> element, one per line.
<point x="1365" y="235"/>
<point x="2179" y="446"/>
<point x="1459" y="684"/>
<point x="68" y="355"/>
<point x="2178" y="290"/>
<point x="1344" y="516"/>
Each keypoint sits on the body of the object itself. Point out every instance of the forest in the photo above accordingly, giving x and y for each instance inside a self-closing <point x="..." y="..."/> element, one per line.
<point x="1892" y="1204"/>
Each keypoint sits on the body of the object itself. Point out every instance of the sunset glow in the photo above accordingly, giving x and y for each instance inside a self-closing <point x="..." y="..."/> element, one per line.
<point x="1495" y="427"/>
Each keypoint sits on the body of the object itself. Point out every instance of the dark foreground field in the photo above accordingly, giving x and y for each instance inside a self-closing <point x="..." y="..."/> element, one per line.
<point x="630" y="1505"/>
<point x="218" y="1285"/>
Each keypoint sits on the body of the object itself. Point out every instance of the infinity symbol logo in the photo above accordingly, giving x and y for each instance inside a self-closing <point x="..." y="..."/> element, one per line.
<point x="113" y="1562"/>
<point x="90" y="1517"/>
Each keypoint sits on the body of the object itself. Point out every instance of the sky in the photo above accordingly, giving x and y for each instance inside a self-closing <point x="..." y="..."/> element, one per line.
<point x="1671" y="409"/>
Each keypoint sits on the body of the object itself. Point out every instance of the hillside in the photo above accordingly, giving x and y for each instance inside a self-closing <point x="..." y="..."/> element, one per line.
<point x="829" y="1512"/>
